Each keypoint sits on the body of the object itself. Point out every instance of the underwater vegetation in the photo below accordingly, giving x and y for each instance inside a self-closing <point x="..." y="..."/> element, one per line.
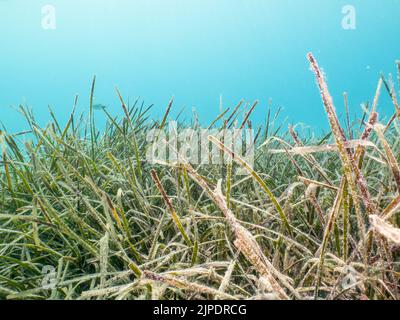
<point x="83" y="215"/>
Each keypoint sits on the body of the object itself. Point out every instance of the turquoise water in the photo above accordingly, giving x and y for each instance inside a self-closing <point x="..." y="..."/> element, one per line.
<point x="194" y="50"/>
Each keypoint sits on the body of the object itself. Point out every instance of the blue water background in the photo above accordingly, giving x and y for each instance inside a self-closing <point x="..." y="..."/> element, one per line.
<point x="196" y="51"/>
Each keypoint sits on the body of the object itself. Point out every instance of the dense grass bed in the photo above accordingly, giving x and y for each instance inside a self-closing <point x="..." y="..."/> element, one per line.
<point x="83" y="215"/>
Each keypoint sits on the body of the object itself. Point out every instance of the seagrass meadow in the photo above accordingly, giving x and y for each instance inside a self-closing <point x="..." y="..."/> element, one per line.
<point x="83" y="215"/>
